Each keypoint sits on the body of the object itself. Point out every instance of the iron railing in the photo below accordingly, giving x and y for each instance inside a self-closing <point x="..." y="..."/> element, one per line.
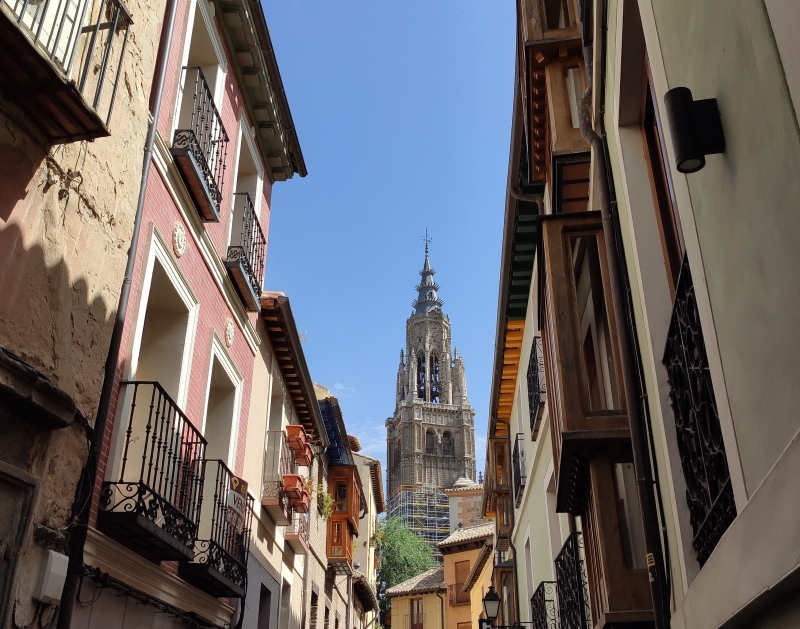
<point x="702" y="450"/>
<point x="204" y="135"/>
<point x="88" y="48"/>
<point x="225" y="520"/>
<point x="414" y="621"/>
<point x="161" y="472"/>
<point x="278" y="458"/>
<point x="572" y="586"/>
<point x="299" y="527"/>
<point x="456" y="595"/>
<point x="537" y="387"/>
<point x="544" y="609"/>
<point x="518" y="470"/>
<point x="248" y="246"/>
<point x="273" y="489"/>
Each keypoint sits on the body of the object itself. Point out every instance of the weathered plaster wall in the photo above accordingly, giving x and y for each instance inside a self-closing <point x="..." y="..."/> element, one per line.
<point x="66" y="216"/>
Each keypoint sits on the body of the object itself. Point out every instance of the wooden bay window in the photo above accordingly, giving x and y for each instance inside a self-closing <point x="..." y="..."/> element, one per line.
<point x="581" y="350"/>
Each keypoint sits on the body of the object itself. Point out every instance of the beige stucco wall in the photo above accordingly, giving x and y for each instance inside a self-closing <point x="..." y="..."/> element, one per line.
<point x="431" y="609"/>
<point x="455" y="614"/>
<point x="744" y="206"/>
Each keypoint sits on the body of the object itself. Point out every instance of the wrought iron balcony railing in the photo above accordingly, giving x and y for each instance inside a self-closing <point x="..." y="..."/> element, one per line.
<point x="572" y="586"/>
<point x="456" y="596"/>
<point x="278" y="462"/>
<point x="705" y="465"/>
<point x="200" y="144"/>
<point x="297" y="534"/>
<point x="518" y="470"/>
<point x="246" y="253"/>
<point x="544" y="608"/>
<point x="220" y="561"/>
<point x="61" y="62"/>
<point x="155" y="503"/>
<point x="537" y="386"/>
<point x="414" y="621"/>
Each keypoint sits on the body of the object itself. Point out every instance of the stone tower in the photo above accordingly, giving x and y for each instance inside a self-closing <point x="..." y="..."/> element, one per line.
<point x="430" y="439"/>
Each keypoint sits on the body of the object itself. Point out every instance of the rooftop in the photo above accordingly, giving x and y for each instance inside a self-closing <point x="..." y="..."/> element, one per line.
<point x="429" y="581"/>
<point x="482" y="531"/>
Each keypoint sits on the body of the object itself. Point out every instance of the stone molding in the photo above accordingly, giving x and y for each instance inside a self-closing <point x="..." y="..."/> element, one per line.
<point x="126" y="566"/>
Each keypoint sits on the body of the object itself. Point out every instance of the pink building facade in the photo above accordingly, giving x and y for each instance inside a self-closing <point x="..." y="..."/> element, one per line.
<point x="163" y="547"/>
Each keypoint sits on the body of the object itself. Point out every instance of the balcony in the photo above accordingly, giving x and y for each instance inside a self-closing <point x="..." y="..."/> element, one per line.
<point x="537" y="386"/>
<point x="703" y="459"/>
<point x="456" y="596"/>
<point x="154" y="506"/>
<point x="519" y="473"/>
<point x="200" y="145"/>
<point x="571" y="585"/>
<point x="220" y="561"/>
<point x="246" y="253"/>
<point x="61" y="63"/>
<point x="340" y="547"/>
<point x="297" y="534"/>
<point x="415" y="621"/>
<point x="544" y="609"/>
<point x="278" y="462"/>
<point x="586" y="401"/>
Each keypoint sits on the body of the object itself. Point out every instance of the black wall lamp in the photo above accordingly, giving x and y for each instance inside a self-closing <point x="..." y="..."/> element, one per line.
<point x="696" y="128"/>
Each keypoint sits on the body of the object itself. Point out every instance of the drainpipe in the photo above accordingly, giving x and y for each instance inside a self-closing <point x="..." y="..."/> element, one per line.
<point x="76" y="545"/>
<point x="631" y="358"/>
<point x="441" y="610"/>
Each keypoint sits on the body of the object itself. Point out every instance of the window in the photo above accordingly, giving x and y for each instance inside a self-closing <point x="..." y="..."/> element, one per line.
<point x="448" y="449"/>
<point x="430" y="442"/>
<point x="666" y="215"/>
<point x="340" y="496"/>
<point x="574" y="85"/>
<point x="556" y="14"/>
<point x="421" y="376"/>
<point x="416" y="613"/>
<point x="434" y="378"/>
<point x="598" y="361"/>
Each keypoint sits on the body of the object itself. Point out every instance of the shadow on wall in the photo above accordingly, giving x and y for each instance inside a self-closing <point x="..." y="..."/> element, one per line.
<point x="47" y="318"/>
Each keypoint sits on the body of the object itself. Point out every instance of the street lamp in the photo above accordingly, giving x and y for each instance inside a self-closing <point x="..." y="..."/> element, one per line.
<point x="491" y="604"/>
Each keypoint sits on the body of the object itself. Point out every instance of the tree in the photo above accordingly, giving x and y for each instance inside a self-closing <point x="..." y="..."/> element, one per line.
<point x="403" y="555"/>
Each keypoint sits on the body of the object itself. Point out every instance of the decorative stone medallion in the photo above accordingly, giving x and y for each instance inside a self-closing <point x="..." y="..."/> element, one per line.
<point x="179" y="240"/>
<point x="228" y="332"/>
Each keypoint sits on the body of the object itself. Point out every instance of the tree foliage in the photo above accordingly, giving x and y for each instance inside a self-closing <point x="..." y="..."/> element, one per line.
<point x="403" y="555"/>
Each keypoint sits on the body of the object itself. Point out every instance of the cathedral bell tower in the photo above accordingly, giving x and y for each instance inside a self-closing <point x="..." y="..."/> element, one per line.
<point x="430" y="438"/>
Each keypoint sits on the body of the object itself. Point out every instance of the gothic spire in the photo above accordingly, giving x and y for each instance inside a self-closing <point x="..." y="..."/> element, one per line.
<point x="427" y="297"/>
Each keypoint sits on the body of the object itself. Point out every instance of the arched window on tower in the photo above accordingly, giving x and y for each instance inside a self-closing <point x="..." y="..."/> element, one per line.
<point x="430" y="442"/>
<point x="421" y="376"/>
<point x="434" y="378"/>
<point x="448" y="449"/>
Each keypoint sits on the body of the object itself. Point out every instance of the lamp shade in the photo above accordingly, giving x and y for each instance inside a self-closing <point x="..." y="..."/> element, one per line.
<point x="491" y="604"/>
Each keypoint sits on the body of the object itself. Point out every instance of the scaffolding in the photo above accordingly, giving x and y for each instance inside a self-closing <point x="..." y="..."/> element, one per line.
<point x="425" y="510"/>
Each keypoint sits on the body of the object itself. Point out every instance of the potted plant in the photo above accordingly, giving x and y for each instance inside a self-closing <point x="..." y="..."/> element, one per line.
<point x="304" y="456"/>
<point x="301" y="503"/>
<point x="293" y="485"/>
<point x="296" y="436"/>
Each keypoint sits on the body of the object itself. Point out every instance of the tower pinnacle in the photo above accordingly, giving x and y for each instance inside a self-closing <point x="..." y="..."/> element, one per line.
<point x="427" y="296"/>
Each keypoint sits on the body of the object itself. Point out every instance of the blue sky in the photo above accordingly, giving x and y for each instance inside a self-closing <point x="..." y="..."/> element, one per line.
<point x="403" y="110"/>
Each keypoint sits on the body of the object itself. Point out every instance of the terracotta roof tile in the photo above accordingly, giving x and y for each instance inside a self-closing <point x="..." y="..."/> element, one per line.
<point x="429" y="581"/>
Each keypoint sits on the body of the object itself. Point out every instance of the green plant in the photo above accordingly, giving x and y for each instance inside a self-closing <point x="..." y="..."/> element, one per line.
<point x="402" y="555"/>
<point x="324" y="502"/>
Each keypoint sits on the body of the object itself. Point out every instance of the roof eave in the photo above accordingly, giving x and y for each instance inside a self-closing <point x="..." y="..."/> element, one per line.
<point x="279" y="321"/>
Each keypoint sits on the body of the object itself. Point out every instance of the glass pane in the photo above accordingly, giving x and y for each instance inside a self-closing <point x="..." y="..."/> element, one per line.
<point x="598" y="361"/>
<point x="572" y="77"/>
<point x="556" y="13"/>
<point x="628" y="509"/>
